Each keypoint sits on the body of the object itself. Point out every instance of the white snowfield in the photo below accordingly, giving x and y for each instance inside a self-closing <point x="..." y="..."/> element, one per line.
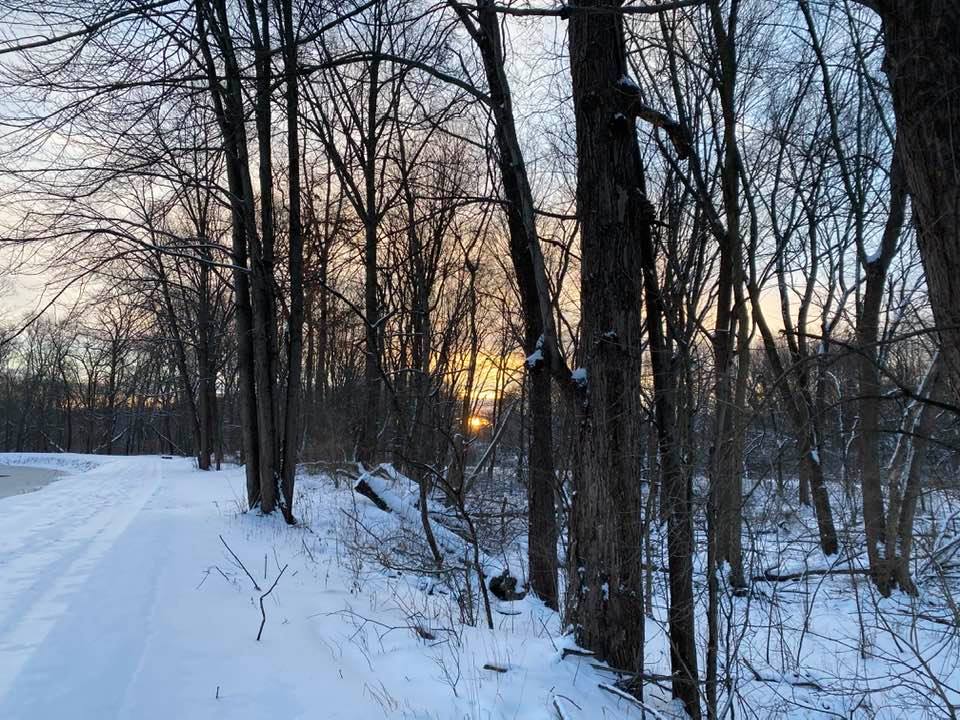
<point x="118" y="600"/>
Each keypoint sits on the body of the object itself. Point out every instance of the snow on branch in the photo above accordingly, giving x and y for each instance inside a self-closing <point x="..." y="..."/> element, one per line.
<point x="635" y="107"/>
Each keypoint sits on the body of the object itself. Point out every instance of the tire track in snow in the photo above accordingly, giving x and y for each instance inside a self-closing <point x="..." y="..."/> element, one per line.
<point x="58" y="561"/>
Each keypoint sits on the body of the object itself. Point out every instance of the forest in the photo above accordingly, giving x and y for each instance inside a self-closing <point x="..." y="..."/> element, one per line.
<point x="643" y="317"/>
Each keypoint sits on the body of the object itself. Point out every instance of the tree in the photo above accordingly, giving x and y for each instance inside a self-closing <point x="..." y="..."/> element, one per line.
<point x="605" y="578"/>
<point x="539" y="342"/>
<point x="922" y="42"/>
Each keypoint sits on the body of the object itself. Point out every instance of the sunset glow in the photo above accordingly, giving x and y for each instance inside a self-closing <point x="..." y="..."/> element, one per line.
<point x="478" y="423"/>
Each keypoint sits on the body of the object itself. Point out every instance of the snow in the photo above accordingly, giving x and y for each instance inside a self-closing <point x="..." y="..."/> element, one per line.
<point x="535" y="359"/>
<point x="627" y="83"/>
<point x="579" y="376"/>
<point x="405" y="507"/>
<point x="119" y="600"/>
<point x="70" y="463"/>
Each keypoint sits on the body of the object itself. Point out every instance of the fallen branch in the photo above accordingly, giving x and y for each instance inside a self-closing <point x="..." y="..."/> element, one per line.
<point x="629" y="698"/>
<point x="662" y="681"/>
<point x="263" y="613"/>
<point x="809" y="684"/>
<point x="494" y="668"/>
<point x="659" y="680"/>
<point x="770" y="576"/>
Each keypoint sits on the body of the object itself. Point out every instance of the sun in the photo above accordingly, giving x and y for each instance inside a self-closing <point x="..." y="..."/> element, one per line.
<point x="477" y="423"/>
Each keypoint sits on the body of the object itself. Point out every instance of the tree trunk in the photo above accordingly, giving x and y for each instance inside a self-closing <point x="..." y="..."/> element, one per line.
<point x="291" y="435"/>
<point x="367" y="446"/>
<point x="227" y="102"/>
<point x="180" y="355"/>
<point x="868" y="359"/>
<point x="262" y="278"/>
<point x="606" y="587"/>
<point x="798" y="405"/>
<point x="922" y="42"/>
<point x="206" y="390"/>
<point x="541" y="482"/>
<point x="900" y="544"/>
<point x="527" y="262"/>
<point x="675" y="492"/>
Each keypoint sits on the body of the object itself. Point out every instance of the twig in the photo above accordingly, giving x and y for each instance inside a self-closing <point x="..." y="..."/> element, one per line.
<point x="495" y="668"/>
<point x="309" y="554"/>
<point x="547" y="631"/>
<point x="662" y="681"/>
<point x="629" y="698"/>
<point x="263" y="612"/>
<point x="556" y="706"/>
<point x="242" y="566"/>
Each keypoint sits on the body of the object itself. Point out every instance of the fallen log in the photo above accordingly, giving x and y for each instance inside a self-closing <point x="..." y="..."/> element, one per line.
<point x="363" y="487"/>
<point x="771" y="576"/>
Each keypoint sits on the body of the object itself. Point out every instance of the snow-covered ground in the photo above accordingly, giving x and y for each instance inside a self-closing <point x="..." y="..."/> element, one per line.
<point x="118" y="599"/>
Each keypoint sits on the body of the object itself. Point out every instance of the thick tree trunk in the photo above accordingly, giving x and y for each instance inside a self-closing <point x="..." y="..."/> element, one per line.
<point x="922" y="41"/>
<point x="605" y="555"/>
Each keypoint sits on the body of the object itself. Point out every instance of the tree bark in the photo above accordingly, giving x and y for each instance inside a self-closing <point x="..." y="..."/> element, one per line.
<point x="367" y="446"/>
<point x="606" y="601"/>
<point x="922" y="42"/>
<point x="291" y="434"/>
<point x="868" y="359"/>
<point x="900" y="541"/>
<point x="262" y="280"/>
<point x="675" y="491"/>
<point x="227" y="103"/>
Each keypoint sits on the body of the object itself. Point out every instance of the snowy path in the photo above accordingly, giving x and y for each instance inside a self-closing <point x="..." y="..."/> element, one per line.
<point x="112" y="605"/>
<point x="63" y="567"/>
